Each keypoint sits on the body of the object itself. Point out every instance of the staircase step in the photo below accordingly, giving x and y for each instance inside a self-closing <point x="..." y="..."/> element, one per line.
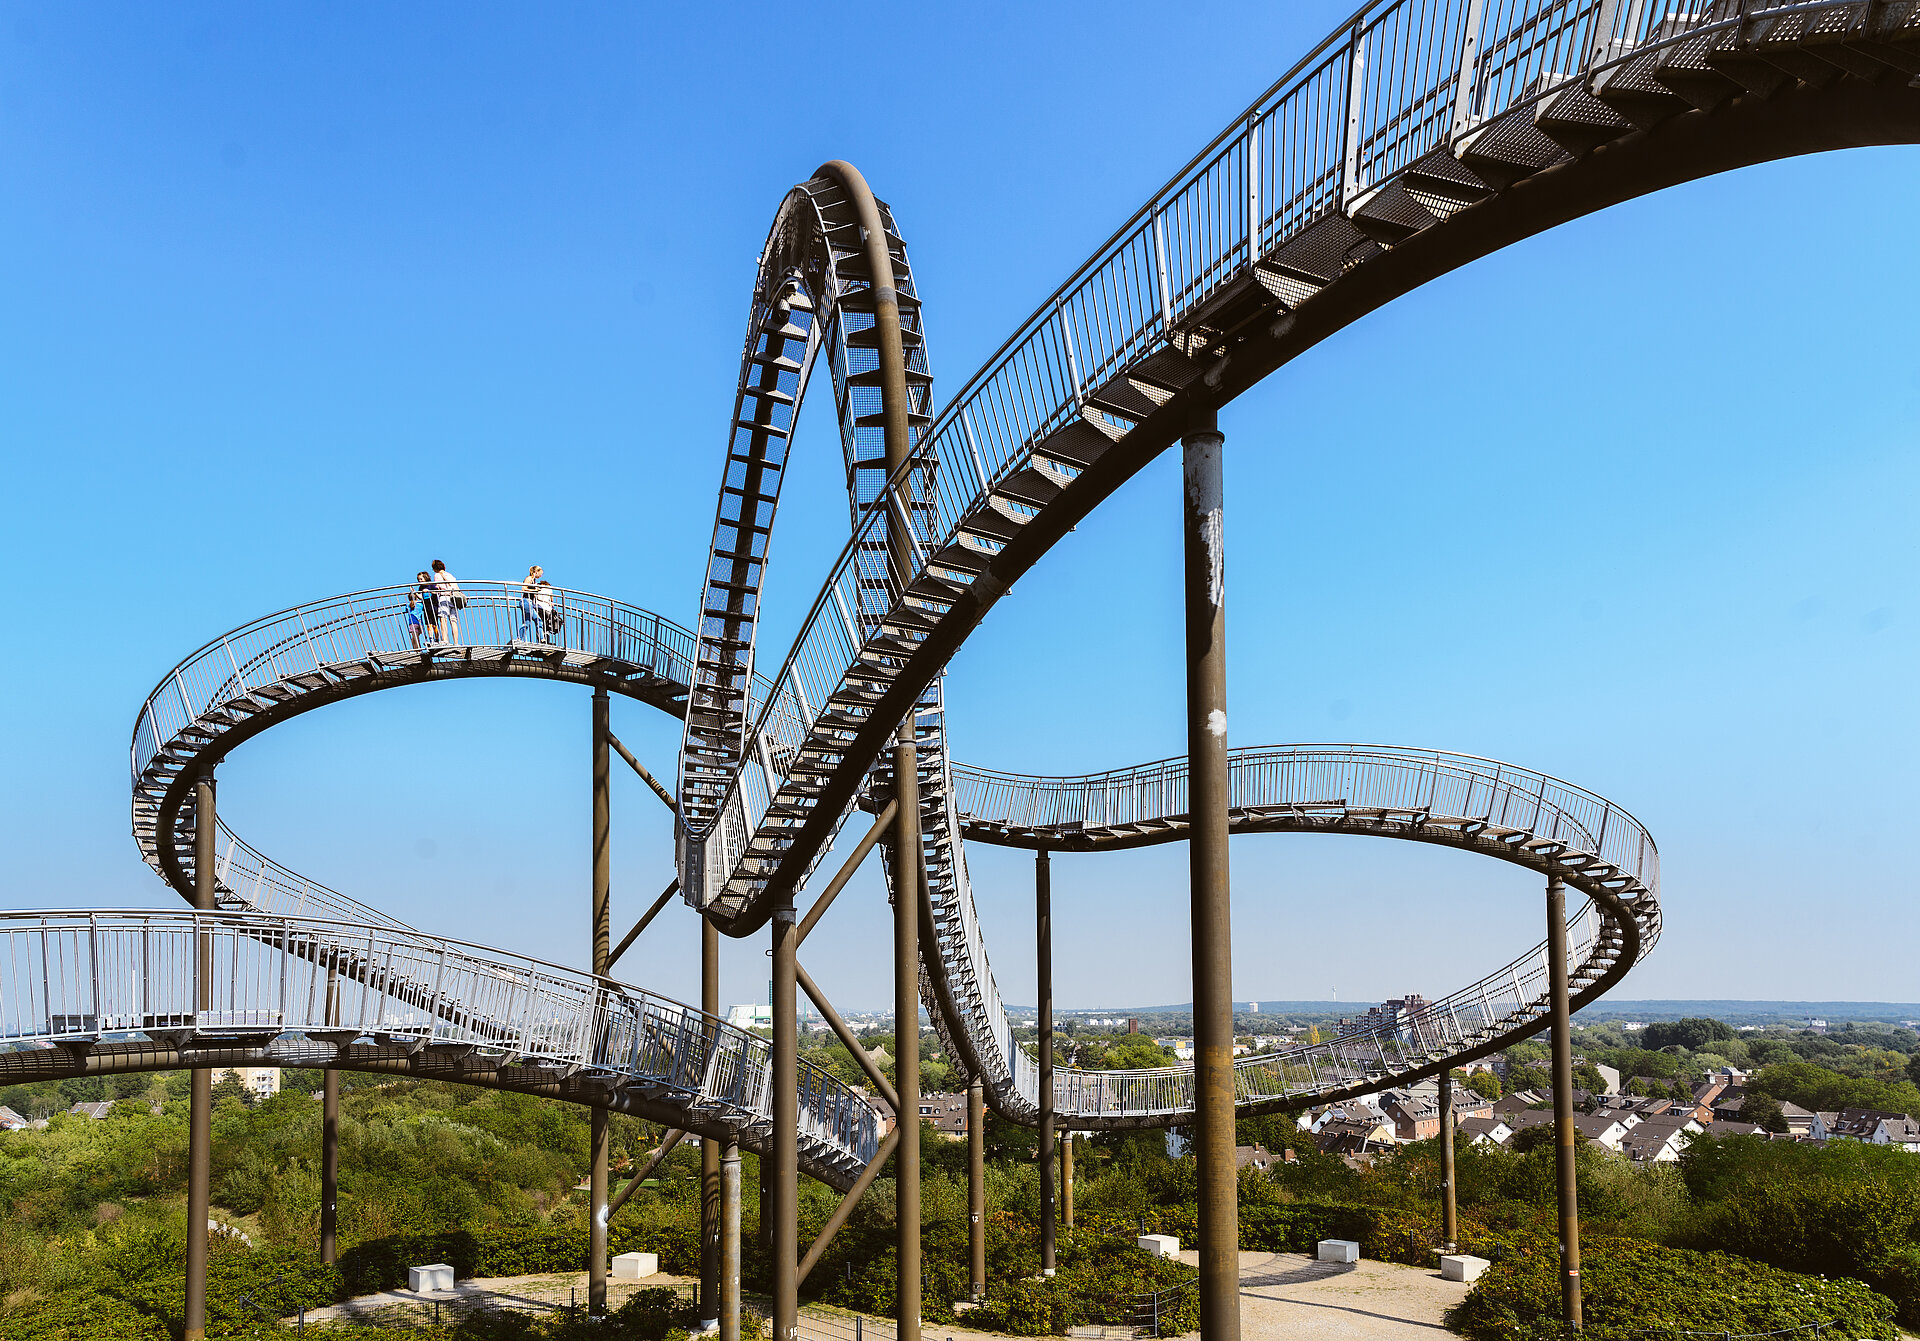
<point x="1579" y="122"/>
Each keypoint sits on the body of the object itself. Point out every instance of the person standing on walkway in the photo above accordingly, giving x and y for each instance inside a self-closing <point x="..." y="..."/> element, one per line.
<point x="420" y="611"/>
<point x="447" y="602"/>
<point x="533" y="625"/>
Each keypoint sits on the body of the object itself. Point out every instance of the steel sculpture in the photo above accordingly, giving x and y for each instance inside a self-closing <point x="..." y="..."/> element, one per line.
<point x="1417" y="137"/>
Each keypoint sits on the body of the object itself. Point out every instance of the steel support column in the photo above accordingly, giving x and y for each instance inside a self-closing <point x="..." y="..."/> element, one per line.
<point x="1066" y="1179"/>
<point x="200" y="1110"/>
<point x="1212" y="917"/>
<point x="1563" y="1103"/>
<point x="1043" y="960"/>
<point x="906" y="1030"/>
<point x="728" y="1295"/>
<point x="601" y="931"/>
<point x="713" y="1195"/>
<point x="977" y="1188"/>
<point x="1449" y="1219"/>
<point x="330" y="1137"/>
<point x="784" y="1144"/>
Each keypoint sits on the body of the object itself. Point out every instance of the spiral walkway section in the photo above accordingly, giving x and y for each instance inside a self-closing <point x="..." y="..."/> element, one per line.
<point x="295" y="973"/>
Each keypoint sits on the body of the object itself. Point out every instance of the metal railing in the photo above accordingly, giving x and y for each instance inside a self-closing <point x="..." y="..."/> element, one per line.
<point x="1400" y="78"/>
<point x="1354" y="786"/>
<point x="379" y="625"/>
<point x="1325" y="780"/>
<point x="85" y="976"/>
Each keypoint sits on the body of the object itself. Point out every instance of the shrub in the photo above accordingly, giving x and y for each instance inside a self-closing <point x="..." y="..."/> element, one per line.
<point x="1630" y="1285"/>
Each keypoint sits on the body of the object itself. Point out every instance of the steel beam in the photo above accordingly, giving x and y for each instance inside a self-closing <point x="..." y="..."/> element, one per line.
<point x="200" y="1110"/>
<point x="906" y="1031"/>
<point x="1564" y="1133"/>
<point x="729" y="1293"/>
<point x="783" y="1146"/>
<point x="1043" y="959"/>
<point x="1212" y="912"/>
<point x="646" y="918"/>
<point x="600" y="930"/>
<point x="1450" y="1221"/>
<point x="645" y="1171"/>
<point x="666" y="798"/>
<point x="977" y="1188"/>
<point x="713" y="1194"/>
<point x="845" y="1035"/>
<point x="848" y="1203"/>
<point x="847" y="868"/>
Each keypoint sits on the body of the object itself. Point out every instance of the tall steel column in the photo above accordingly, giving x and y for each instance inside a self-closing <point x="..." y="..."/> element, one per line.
<point x="712" y="1194"/>
<point x="1563" y="1103"/>
<point x="906" y="1029"/>
<point x="602" y="934"/>
<point x="200" y="1110"/>
<point x="1212" y="915"/>
<point x="727" y="1302"/>
<point x="1449" y="1220"/>
<point x="784" y="1146"/>
<point x="1043" y="958"/>
<point x="1066" y="1180"/>
<point x="330" y="1137"/>
<point x="977" y="1188"/>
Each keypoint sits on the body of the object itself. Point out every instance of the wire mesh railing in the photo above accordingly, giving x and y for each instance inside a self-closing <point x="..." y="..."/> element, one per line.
<point x="82" y="977"/>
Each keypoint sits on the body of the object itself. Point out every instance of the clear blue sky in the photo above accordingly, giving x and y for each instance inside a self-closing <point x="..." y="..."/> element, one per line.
<point x="297" y="297"/>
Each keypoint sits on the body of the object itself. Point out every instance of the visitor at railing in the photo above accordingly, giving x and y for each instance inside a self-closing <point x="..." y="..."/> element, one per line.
<point x="420" y="611"/>
<point x="447" y="602"/>
<point x="538" y="619"/>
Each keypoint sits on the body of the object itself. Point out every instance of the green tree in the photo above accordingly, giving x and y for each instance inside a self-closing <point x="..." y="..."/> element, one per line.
<point x="1484" y="1083"/>
<point x="1693" y="1032"/>
<point x="1763" y="1112"/>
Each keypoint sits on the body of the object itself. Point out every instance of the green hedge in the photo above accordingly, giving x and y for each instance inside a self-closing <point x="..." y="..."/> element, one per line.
<point x="1630" y="1285"/>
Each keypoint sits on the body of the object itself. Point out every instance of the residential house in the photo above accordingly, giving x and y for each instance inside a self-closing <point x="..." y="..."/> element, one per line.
<point x="259" y="1081"/>
<point x="1876" y="1128"/>
<point x="947" y="1113"/>
<point x="1357" y="1131"/>
<point x="1660" y="1140"/>
<point x="94" y="1111"/>
<point x="1253" y="1157"/>
<point x="1486" y="1130"/>
<point x="10" y="1120"/>
<point x="1414" y="1118"/>
<point x="1799" y="1120"/>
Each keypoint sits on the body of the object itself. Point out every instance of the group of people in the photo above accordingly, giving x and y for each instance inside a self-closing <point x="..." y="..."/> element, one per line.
<point x="435" y="603"/>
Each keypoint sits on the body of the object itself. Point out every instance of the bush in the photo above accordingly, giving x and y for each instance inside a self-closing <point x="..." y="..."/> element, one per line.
<point x="1630" y="1285"/>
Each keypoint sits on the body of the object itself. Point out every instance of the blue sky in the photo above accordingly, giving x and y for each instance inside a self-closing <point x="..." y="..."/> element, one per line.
<point x="298" y="297"/>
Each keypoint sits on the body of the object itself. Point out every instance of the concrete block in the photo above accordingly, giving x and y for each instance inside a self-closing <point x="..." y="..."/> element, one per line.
<point x="1462" y="1267"/>
<point x="1338" y="1250"/>
<point x="1160" y="1245"/>
<point x="425" y="1279"/>
<point x="635" y="1266"/>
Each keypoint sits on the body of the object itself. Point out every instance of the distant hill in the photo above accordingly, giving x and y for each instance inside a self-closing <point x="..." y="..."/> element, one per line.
<point x="1609" y="1008"/>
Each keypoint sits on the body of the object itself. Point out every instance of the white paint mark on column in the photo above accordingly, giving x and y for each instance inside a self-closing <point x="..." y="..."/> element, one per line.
<point x="1212" y="531"/>
<point x="1217" y="723"/>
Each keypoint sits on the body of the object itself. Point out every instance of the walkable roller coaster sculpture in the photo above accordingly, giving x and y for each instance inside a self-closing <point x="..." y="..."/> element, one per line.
<point x="1419" y="136"/>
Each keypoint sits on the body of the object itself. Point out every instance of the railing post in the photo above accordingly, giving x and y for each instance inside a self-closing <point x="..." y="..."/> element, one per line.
<point x="1350" y="184"/>
<point x="1466" y="85"/>
<point x="1253" y="192"/>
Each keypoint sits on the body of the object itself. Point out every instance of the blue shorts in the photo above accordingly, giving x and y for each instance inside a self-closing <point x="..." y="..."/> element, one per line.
<point x="413" y="617"/>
